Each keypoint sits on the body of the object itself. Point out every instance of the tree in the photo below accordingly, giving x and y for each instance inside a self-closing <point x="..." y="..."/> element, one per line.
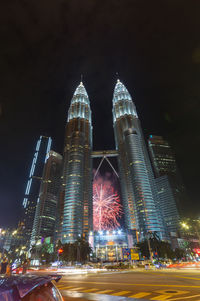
<point x="83" y="249"/>
<point x="179" y="253"/>
<point x="77" y="251"/>
<point x="162" y="248"/>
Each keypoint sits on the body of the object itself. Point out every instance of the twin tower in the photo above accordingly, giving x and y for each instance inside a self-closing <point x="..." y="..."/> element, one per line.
<point x="138" y="190"/>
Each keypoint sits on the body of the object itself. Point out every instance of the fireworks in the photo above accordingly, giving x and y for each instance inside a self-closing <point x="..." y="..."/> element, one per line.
<point x="106" y="206"/>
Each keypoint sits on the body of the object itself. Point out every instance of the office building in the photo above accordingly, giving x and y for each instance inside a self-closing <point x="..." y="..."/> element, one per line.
<point x="47" y="205"/>
<point x="162" y="156"/>
<point x="33" y="184"/>
<point x="168" y="205"/>
<point x="168" y="179"/>
<point x="139" y="195"/>
<point x="77" y="170"/>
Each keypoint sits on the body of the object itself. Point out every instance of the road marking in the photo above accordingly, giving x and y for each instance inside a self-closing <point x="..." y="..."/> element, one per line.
<point x="135" y="284"/>
<point x="192" y="278"/>
<point x="121" y="293"/>
<point x="139" y="295"/>
<point x="64" y="287"/>
<point x="170" y="292"/>
<point x="166" y="294"/>
<point x="105" y="292"/>
<point x="181" y="298"/>
<point x="77" y="288"/>
<point x="161" y="297"/>
<point x="186" y="277"/>
<point x="90" y="290"/>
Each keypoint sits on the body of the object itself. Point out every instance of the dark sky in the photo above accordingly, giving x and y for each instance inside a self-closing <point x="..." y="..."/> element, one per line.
<point x="46" y="45"/>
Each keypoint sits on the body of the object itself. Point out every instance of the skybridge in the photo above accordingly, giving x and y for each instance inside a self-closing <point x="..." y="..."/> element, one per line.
<point x="105" y="154"/>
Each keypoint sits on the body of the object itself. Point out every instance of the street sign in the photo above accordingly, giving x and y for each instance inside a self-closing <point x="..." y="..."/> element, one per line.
<point x="130" y="254"/>
<point x="126" y="253"/>
<point x="135" y="256"/>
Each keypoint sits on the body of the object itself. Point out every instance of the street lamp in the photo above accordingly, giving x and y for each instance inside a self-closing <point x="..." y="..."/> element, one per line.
<point x="185" y="226"/>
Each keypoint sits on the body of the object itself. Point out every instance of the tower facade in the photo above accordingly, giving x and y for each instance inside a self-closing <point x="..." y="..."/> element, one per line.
<point x="162" y="156"/>
<point x="169" y="184"/>
<point x="77" y="170"/>
<point x="47" y="205"/>
<point x="141" y="206"/>
<point x="168" y="205"/>
<point x="33" y="184"/>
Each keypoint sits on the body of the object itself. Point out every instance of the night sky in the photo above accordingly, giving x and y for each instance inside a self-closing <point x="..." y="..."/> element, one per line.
<point x="46" y="46"/>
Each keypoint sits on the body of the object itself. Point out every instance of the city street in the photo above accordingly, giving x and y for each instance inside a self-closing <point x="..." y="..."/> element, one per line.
<point x="136" y="285"/>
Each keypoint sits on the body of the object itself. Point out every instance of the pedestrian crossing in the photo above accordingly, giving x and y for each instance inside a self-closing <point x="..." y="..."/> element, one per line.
<point x="152" y="295"/>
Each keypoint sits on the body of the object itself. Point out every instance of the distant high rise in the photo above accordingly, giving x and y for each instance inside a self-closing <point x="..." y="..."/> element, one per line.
<point x="162" y="156"/>
<point x="169" y="184"/>
<point x="33" y="185"/>
<point x="168" y="205"/>
<point x="47" y="205"/>
<point x="141" y="208"/>
<point x="77" y="174"/>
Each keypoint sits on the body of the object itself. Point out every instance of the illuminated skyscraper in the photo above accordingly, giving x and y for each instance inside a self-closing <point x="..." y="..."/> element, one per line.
<point x="47" y="205"/>
<point x="162" y="156"/>
<point x="140" y="200"/>
<point x="169" y="184"/>
<point x="33" y="185"/>
<point x="168" y="205"/>
<point x="77" y="171"/>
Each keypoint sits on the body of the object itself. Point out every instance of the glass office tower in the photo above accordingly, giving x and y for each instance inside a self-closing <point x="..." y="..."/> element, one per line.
<point x="162" y="156"/>
<point x="168" y="205"/>
<point x="33" y="184"/>
<point x="77" y="171"/>
<point x="140" y="200"/>
<point x="169" y="184"/>
<point x="47" y="205"/>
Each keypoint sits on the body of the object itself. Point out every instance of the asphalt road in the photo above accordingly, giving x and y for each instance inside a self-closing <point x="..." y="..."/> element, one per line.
<point x="136" y="285"/>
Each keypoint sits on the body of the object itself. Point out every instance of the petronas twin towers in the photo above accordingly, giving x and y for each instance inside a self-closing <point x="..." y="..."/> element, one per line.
<point x="139" y="196"/>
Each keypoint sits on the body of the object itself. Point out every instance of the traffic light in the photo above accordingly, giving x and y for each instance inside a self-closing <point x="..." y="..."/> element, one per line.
<point x="60" y="251"/>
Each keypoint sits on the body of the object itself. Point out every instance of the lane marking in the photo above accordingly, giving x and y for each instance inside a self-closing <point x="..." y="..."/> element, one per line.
<point x="90" y="290"/>
<point x="181" y="298"/>
<point x="166" y="294"/>
<point x="187" y="277"/>
<point x="105" y="291"/>
<point x="64" y="287"/>
<point x="134" y="284"/>
<point x="161" y="297"/>
<point x="121" y="293"/>
<point x="77" y="288"/>
<point x="170" y="292"/>
<point x="139" y="295"/>
<point x="184" y="277"/>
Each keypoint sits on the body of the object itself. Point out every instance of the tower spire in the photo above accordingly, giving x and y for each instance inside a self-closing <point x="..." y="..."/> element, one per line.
<point x="81" y="79"/>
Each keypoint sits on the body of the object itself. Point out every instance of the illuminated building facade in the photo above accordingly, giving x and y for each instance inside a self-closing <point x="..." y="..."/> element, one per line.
<point x="139" y="197"/>
<point x="47" y="206"/>
<point x="162" y="156"/>
<point x="168" y="205"/>
<point x="33" y="185"/>
<point x="108" y="245"/>
<point x="77" y="170"/>
<point x="169" y="185"/>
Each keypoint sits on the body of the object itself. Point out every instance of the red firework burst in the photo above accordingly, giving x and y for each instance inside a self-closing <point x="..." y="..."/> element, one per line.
<point x="106" y="206"/>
